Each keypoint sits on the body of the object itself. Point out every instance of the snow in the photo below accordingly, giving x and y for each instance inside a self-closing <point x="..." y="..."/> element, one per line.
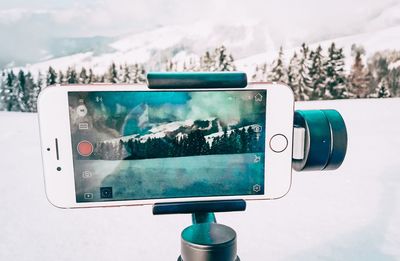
<point x="349" y="214"/>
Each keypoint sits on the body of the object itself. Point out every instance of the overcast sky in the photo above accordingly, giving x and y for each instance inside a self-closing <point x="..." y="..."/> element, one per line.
<point x="114" y="17"/>
<point x="28" y="24"/>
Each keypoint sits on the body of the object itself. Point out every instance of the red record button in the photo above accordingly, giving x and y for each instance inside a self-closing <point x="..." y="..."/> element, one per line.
<point x="85" y="148"/>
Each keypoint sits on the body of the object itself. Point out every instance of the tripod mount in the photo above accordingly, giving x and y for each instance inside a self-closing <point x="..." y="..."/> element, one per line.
<point x="319" y="143"/>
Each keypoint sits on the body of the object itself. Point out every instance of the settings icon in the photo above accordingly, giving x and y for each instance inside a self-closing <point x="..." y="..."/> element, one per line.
<point x="256" y="188"/>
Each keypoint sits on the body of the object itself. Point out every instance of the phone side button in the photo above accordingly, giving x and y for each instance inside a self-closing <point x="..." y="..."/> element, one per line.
<point x="278" y="143"/>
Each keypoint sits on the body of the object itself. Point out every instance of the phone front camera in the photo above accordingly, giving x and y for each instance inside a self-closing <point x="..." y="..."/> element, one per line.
<point x="59" y="168"/>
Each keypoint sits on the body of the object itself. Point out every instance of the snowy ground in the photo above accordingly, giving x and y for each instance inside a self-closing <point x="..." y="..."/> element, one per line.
<point x="350" y="214"/>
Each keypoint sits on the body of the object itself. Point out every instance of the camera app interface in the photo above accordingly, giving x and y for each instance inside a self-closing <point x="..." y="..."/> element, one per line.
<point x="167" y="144"/>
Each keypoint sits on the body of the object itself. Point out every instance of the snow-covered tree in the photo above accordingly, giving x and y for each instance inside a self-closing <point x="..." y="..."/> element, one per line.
<point x="41" y="80"/>
<point x="121" y="74"/>
<point x="71" y="76"/>
<point x="358" y="79"/>
<point x="124" y="73"/>
<point x="382" y="91"/>
<point x="18" y="93"/>
<point x="206" y="62"/>
<point x="8" y="93"/>
<point x="394" y="81"/>
<point x="295" y="78"/>
<point x="302" y="90"/>
<point x="3" y="89"/>
<point x="83" y="77"/>
<point x="317" y="74"/>
<point x="31" y="93"/>
<point x="91" y="77"/>
<point x="61" y="77"/>
<point x="260" y="74"/>
<point x="51" y="77"/>
<point x="137" y="74"/>
<point x="335" y="74"/>
<point x="112" y="74"/>
<point x="171" y="66"/>
<point x="278" y="71"/>
<point x="223" y="61"/>
<point x="293" y="72"/>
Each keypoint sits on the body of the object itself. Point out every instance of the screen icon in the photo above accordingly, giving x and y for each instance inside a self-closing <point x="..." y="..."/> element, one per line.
<point x="86" y="174"/>
<point x="83" y="126"/>
<point x="257" y="128"/>
<point x="81" y="110"/>
<point x="85" y="148"/>
<point x="256" y="188"/>
<point x="258" y="97"/>
<point x="88" y="195"/>
<point x="106" y="192"/>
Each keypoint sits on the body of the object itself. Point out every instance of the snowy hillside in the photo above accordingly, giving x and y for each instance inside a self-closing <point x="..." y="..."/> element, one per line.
<point x="212" y="129"/>
<point x="176" y="42"/>
<point x="251" y="44"/>
<point x="349" y="214"/>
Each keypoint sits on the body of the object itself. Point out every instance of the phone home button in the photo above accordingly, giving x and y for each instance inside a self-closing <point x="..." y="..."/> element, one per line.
<point x="278" y="143"/>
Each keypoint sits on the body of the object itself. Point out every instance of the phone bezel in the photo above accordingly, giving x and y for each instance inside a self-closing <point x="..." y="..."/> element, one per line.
<point x="60" y="185"/>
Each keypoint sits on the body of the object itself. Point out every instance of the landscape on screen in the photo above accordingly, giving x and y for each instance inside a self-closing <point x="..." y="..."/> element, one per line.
<point x="140" y="125"/>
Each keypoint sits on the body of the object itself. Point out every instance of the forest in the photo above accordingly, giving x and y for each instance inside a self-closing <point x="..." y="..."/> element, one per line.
<point x="236" y="141"/>
<point x="312" y="73"/>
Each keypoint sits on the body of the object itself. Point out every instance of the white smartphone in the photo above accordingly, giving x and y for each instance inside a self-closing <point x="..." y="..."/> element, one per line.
<point x="113" y="145"/>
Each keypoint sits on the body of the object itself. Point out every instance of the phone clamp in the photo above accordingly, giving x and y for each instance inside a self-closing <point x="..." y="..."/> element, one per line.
<point x="205" y="239"/>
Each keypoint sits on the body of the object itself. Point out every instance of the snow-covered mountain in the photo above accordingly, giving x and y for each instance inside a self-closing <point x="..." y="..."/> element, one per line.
<point x="169" y="42"/>
<point x="252" y="43"/>
<point x="212" y="128"/>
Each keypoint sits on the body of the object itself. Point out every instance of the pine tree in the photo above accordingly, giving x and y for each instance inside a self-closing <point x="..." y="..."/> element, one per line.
<point x="223" y="61"/>
<point x="302" y="90"/>
<point x="51" y="77"/>
<point x="317" y="74"/>
<point x="8" y="94"/>
<point x="72" y="76"/>
<point x="91" y="77"/>
<point x="125" y="74"/>
<point x="83" y="77"/>
<point x="382" y="91"/>
<point x="21" y="92"/>
<point x="394" y="81"/>
<point x="260" y="74"/>
<point x="121" y="73"/>
<point x="41" y="81"/>
<point x="358" y="78"/>
<point x="278" y="72"/>
<point x="206" y="62"/>
<point x="137" y="74"/>
<point x="61" y="77"/>
<point x="31" y="93"/>
<point x="293" y="74"/>
<point x="171" y="66"/>
<point x="335" y="75"/>
<point x="3" y="94"/>
<point x="112" y="75"/>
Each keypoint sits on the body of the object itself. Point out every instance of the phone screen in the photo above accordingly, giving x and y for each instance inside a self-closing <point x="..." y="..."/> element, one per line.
<point x="137" y="145"/>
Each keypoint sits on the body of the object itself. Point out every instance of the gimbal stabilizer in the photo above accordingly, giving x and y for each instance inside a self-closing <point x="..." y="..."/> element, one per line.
<point x="319" y="143"/>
